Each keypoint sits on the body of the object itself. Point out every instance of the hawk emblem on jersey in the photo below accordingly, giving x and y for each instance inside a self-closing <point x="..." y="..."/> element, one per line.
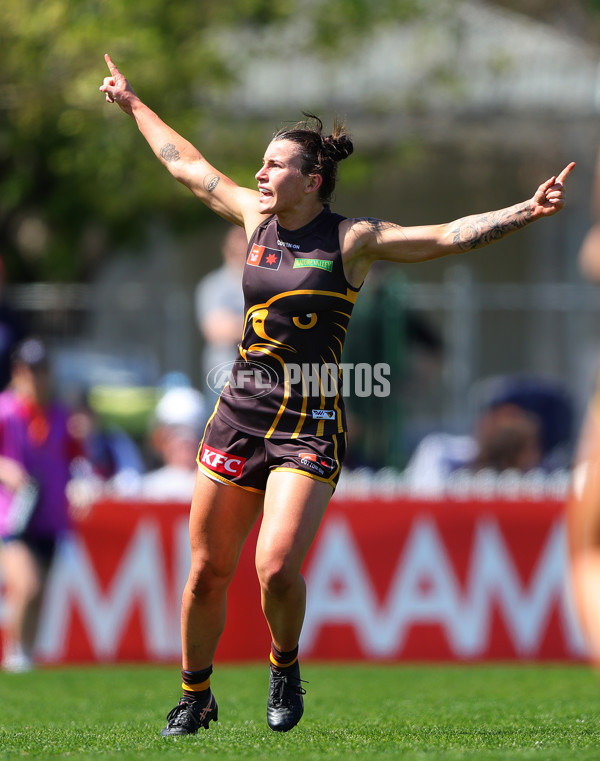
<point x="309" y="324"/>
<point x="262" y="256"/>
<point x="259" y="325"/>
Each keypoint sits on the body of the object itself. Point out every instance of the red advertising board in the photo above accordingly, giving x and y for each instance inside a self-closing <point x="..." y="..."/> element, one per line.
<point x="387" y="580"/>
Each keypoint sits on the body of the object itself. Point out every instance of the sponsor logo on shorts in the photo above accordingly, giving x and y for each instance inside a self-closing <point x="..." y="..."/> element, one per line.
<point x="221" y="462"/>
<point x="262" y="256"/>
<point x="319" y="464"/>
<point x="321" y="264"/>
<point x="323" y="414"/>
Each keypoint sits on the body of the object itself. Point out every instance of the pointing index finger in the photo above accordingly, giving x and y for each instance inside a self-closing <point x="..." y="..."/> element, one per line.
<point x="111" y="66"/>
<point x="566" y="172"/>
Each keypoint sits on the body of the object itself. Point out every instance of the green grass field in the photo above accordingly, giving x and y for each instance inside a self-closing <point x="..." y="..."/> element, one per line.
<point x="352" y="711"/>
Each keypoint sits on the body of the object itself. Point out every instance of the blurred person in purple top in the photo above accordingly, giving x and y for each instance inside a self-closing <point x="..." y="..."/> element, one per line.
<point x="36" y="452"/>
<point x="12" y="328"/>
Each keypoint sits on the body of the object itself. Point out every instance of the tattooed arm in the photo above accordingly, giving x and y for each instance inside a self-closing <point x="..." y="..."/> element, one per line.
<point x="184" y="161"/>
<point x="482" y="229"/>
<point x="366" y="240"/>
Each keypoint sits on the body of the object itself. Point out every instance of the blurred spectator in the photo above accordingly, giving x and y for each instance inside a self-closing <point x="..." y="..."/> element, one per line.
<point x="12" y="330"/>
<point x="548" y="401"/>
<point x="36" y="452"/>
<point x="524" y="423"/>
<point x="508" y="438"/>
<point x="110" y="451"/>
<point x="179" y="419"/>
<point x="219" y="303"/>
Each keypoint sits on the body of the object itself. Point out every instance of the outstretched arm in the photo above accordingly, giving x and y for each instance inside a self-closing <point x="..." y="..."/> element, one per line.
<point x="188" y="166"/>
<point x="367" y="240"/>
<point x="481" y="229"/>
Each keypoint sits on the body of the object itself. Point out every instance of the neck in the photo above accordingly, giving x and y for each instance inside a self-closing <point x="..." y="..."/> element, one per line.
<point x="297" y="218"/>
<point x="27" y="392"/>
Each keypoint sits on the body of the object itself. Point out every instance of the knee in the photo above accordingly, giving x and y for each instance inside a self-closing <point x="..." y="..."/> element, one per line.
<point x="276" y="576"/>
<point x="25" y="590"/>
<point x="206" y="578"/>
<point x="24" y="579"/>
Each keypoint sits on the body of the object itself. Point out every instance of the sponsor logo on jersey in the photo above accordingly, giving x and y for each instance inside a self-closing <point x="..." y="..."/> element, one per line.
<point x="317" y="463"/>
<point x="323" y="414"/>
<point x="261" y="256"/>
<point x="294" y="246"/>
<point x="221" y="462"/>
<point x="321" y="264"/>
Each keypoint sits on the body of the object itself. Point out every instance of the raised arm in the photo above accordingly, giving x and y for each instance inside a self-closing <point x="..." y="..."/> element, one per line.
<point x="188" y="166"/>
<point x="367" y="240"/>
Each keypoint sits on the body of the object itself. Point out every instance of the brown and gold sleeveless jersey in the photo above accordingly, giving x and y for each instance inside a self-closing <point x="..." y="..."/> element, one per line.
<point x="286" y="381"/>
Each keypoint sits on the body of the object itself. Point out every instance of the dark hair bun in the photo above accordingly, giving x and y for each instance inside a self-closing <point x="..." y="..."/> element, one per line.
<point x="338" y="148"/>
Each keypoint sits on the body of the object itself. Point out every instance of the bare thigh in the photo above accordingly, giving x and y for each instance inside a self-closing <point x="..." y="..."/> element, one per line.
<point x="23" y="574"/>
<point x="221" y="518"/>
<point x="294" y="508"/>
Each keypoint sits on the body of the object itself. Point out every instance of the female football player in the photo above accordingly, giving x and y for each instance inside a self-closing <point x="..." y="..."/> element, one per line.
<point x="276" y="440"/>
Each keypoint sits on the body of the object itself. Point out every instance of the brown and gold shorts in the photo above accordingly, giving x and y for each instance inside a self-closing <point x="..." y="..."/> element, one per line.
<point x="233" y="457"/>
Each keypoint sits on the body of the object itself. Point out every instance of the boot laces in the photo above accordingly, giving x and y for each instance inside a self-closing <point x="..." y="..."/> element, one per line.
<point x="183" y="713"/>
<point x="285" y="686"/>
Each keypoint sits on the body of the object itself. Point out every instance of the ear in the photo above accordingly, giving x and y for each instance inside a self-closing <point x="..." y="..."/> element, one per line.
<point x="314" y="182"/>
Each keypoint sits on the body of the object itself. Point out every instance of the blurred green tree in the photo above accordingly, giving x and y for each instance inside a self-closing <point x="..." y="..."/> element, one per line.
<point x="72" y="186"/>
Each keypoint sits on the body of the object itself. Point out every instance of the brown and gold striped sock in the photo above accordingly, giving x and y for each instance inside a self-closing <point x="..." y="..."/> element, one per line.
<point x="283" y="660"/>
<point x="196" y="684"/>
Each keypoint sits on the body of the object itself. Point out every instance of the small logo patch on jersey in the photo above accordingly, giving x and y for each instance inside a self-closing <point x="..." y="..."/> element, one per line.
<point x="321" y="264"/>
<point x="261" y="256"/>
<point x="323" y="414"/>
<point x="317" y="463"/>
<point x="221" y="462"/>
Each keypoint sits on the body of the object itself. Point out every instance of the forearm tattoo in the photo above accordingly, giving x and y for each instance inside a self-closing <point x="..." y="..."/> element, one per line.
<point x="478" y="230"/>
<point x="169" y="153"/>
<point x="211" y="182"/>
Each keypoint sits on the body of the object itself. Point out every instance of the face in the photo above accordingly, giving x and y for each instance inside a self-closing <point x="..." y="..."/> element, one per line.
<point x="281" y="184"/>
<point x="32" y="382"/>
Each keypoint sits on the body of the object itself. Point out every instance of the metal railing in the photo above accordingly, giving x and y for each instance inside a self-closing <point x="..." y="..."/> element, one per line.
<point x="555" y="322"/>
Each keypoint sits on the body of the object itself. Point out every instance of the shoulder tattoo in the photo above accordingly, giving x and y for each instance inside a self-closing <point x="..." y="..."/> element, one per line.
<point x="376" y="225"/>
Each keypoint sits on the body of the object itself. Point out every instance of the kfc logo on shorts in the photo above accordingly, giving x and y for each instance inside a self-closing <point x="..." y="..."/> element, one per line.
<point x="317" y="463"/>
<point x="221" y="462"/>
